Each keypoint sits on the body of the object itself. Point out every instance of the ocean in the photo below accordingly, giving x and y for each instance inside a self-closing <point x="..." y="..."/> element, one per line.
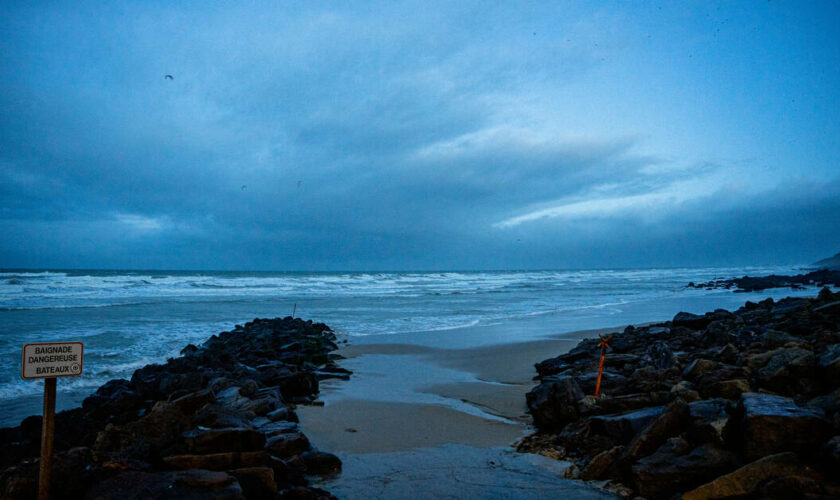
<point x="128" y="319"/>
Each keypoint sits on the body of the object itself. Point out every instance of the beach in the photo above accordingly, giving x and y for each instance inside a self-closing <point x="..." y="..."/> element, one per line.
<point x="410" y="408"/>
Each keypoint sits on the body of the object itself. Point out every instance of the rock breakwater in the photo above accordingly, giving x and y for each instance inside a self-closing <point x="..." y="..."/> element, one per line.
<point x="216" y="422"/>
<point x="725" y="404"/>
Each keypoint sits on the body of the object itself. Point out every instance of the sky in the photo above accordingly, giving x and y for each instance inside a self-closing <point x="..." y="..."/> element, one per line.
<point x="418" y="135"/>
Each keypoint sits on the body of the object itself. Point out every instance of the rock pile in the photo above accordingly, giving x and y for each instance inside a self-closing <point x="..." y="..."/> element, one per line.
<point x="822" y="277"/>
<point x="726" y="404"/>
<point x="216" y="422"/>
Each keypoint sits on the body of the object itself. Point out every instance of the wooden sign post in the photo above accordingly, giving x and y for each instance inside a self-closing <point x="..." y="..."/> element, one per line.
<point x="49" y="361"/>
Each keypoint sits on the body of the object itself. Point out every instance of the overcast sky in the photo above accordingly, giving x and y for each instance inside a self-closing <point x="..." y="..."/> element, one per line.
<point x="459" y="135"/>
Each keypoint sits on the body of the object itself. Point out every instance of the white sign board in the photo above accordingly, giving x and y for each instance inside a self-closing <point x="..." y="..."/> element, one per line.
<point x="53" y="359"/>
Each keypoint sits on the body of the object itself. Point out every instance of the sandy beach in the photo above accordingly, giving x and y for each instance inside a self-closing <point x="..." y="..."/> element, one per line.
<point x="436" y="404"/>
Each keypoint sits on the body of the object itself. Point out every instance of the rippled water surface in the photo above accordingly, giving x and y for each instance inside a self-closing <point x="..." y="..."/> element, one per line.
<point x="127" y="319"/>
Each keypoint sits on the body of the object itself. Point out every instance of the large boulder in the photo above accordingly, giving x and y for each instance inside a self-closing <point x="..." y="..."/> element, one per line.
<point x="788" y="371"/>
<point x="667" y="472"/>
<point x="622" y="427"/>
<point x="553" y="403"/>
<point x="746" y="480"/>
<point x="772" y="424"/>
<point x="693" y="321"/>
<point x="180" y="485"/>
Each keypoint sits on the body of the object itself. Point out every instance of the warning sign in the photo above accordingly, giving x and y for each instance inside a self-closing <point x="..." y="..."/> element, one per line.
<point x="54" y="359"/>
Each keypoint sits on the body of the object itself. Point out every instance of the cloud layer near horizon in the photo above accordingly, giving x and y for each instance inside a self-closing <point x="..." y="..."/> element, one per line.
<point x="409" y="136"/>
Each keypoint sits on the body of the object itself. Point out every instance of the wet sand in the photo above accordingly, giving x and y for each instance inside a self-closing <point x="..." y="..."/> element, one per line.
<point x="414" y="418"/>
<point x="406" y="396"/>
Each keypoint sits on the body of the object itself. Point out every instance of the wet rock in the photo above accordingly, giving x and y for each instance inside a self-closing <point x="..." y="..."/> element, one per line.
<point x="666" y="472"/>
<point x="659" y="355"/>
<point x="218" y="461"/>
<point x="624" y="426"/>
<point x="320" y="463"/>
<point x="287" y="444"/>
<point x="773" y="424"/>
<point x="182" y="485"/>
<point x="728" y="389"/>
<point x="746" y="480"/>
<point x="553" y="403"/>
<point x="667" y="424"/>
<point x="217" y="416"/>
<point x="223" y="440"/>
<point x="708" y="421"/>
<point x="688" y="320"/>
<point x="828" y="364"/>
<point x="256" y="482"/>
<point x="698" y="368"/>
<point x="191" y="402"/>
<point x="601" y="463"/>
<point x="788" y="371"/>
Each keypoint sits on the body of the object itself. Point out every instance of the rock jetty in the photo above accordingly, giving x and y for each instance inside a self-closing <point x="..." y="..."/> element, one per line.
<point x="820" y="278"/>
<point x="216" y="422"/>
<point x="727" y="404"/>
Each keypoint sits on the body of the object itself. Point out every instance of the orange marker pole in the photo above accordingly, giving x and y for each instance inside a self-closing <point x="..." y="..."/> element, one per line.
<point x="603" y="344"/>
<point x="600" y="371"/>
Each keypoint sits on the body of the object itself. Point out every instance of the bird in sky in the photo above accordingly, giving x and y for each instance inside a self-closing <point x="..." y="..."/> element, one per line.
<point x="168" y="77"/>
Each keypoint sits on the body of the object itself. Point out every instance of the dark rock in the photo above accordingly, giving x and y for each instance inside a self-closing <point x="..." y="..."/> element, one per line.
<point x="287" y="444"/>
<point x="746" y="480"/>
<point x="320" y="463"/>
<point x="182" y="485"/>
<point x="668" y="424"/>
<point x="666" y="472"/>
<point x="728" y="389"/>
<point x="788" y="371"/>
<point x="828" y="364"/>
<point x="601" y="463"/>
<point x="223" y="440"/>
<point x="218" y="461"/>
<point x="191" y="402"/>
<point x="688" y="320"/>
<point x="553" y="403"/>
<point x="624" y="426"/>
<point x="773" y="424"/>
<point x="659" y="355"/>
<point x="256" y="482"/>
<point x="698" y="368"/>
<point x="708" y="421"/>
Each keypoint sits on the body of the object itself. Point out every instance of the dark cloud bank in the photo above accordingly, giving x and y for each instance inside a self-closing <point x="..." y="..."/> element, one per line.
<point x="344" y="140"/>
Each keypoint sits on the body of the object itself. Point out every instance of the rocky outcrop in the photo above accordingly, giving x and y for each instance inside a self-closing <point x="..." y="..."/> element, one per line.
<point x="216" y="422"/>
<point x="741" y="404"/>
<point x="821" y="277"/>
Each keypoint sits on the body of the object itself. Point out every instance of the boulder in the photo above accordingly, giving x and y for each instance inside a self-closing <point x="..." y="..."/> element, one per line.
<point x="773" y="424"/>
<point x="708" y="421"/>
<point x="693" y="321"/>
<point x="601" y="463"/>
<point x="181" y="485"/>
<point x="320" y="463"/>
<point x="256" y="482"/>
<point x="218" y="461"/>
<point x="658" y="355"/>
<point x="666" y="472"/>
<point x="223" y="440"/>
<point x="788" y="371"/>
<point x="727" y="389"/>
<point x="746" y="480"/>
<point x="622" y="427"/>
<point x="218" y="416"/>
<point x="698" y="368"/>
<point x="828" y="364"/>
<point x="553" y="403"/>
<point x="667" y="424"/>
<point x="286" y="445"/>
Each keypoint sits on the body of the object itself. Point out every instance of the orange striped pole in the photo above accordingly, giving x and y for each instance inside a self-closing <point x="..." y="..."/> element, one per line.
<point x="604" y="345"/>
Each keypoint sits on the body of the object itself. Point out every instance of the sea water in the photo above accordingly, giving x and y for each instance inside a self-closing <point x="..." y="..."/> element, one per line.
<point x="128" y="319"/>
